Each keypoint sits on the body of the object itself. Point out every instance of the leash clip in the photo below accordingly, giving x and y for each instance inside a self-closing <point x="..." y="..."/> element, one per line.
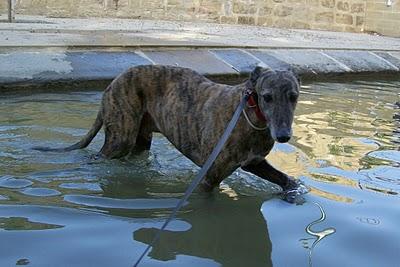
<point x="248" y="92"/>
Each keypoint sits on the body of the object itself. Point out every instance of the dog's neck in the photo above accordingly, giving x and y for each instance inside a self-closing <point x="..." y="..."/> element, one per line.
<point x="252" y="103"/>
<point x="252" y="112"/>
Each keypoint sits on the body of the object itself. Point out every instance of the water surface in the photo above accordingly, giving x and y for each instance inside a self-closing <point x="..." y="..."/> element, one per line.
<point x="65" y="209"/>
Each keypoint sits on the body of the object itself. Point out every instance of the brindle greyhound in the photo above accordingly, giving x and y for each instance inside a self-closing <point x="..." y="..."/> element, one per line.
<point x="192" y="112"/>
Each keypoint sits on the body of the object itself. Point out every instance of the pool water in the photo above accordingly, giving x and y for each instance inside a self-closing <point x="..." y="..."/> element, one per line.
<point x="66" y="209"/>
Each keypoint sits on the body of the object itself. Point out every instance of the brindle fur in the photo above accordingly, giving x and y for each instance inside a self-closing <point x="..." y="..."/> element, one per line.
<point x="192" y="113"/>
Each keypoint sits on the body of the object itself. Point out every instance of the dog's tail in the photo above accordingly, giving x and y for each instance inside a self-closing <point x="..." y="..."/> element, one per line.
<point x="85" y="141"/>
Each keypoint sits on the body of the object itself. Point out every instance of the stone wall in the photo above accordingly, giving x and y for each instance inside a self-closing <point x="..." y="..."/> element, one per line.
<point x="337" y="15"/>
<point x="383" y="19"/>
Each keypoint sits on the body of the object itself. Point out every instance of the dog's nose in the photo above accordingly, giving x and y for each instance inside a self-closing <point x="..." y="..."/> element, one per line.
<point x="283" y="138"/>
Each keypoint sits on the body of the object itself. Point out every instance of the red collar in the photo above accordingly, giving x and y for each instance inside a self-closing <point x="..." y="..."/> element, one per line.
<point x="254" y="104"/>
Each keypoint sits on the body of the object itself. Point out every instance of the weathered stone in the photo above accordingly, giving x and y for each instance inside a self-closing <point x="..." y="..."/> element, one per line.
<point x="282" y="23"/>
<point x="270" y="60"/>
<point x="242" y="8"/>
<point x="239" y="60"/>
<point x="314" y="13"/>
<point x="246" y="20"/>
<point x="350" y="29"/>
<point x="308" y="61"/>
<point x="266" y="10"/>
<point x="326" y="17"/>
<point x="342" y="6"/>
<point x="357" y="8"/>
<point x="264" y="21"/>
<point x="228" y="19"/>
<point x="314" y="3"/>
<point x="390" y="57"/>
<point x="296" y="2"/>
<point x="199" y="60"/>
<point x="360" y="21"/>
<point x="283" y="11"/>
<point x="361" y="61"/>
<point x="300" y="25"/>
<point x="227" y="9"/>
<point x="329" y="27"/>
<point x="344" y="19"/>
<point x="328" y="3"/>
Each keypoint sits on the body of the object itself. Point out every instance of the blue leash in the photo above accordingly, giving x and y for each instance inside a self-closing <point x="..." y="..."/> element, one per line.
<point x="202" y="172"/>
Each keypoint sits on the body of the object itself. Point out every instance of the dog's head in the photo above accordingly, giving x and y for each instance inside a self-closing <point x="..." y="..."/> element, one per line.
<point x="277" y="92"/>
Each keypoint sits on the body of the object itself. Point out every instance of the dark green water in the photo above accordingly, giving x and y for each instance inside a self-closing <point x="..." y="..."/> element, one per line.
<point x="64" y="209"/>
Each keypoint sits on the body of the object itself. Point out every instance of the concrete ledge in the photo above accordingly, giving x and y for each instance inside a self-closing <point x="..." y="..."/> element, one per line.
<point x="44" y="68"/>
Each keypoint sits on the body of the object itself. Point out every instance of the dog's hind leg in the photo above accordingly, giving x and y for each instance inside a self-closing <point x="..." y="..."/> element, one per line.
<point x="145" y="135"/>
<point x="119" y="141"/>
<point x="121" y="127"/>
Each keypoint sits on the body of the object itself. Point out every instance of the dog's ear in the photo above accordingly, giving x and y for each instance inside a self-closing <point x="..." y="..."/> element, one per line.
<point x="255" y="74"/>
<point x="295" y="73"/>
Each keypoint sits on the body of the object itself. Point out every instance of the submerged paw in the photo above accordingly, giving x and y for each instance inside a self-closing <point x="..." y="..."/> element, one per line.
<point x="294" y="193"/>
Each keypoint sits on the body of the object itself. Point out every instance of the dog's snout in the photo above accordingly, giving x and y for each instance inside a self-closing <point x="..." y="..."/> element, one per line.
<point x="283" y="135"/>
<point x="283" y="138"/>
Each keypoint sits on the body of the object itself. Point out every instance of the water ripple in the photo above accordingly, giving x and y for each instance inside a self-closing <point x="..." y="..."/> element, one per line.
<point x="115" y="203"/>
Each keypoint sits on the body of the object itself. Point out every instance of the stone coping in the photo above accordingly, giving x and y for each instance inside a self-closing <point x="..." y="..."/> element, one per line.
<point x="72" y="69"/>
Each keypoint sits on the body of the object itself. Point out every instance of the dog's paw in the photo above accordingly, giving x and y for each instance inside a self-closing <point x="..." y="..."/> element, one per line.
<point x="294" y="191"/>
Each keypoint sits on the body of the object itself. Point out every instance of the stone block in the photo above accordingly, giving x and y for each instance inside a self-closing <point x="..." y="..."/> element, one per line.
<point x="270" y="60"/>
<point x="265" y="10"/>
<point x="100" y="65"/>
<point x="200" y="60"/>
<point x="396" y="55"/>
<point x="328" y="3"/>
<point x="312" y="3"/>
<point x="243" y="8"/>
<point x="360" y="21"/>
<point x="226" y="8"/>
<point x="390" y="57"/>
<point x="361" y="61"/>
<point x="328" y="27"/>
<point x="296" y="2"/>
<point x="246" y="20"/>
<point x="380" y="6"/>
<point x="308" y="61"/>
<point x="267" y="21"/>
<point x="350" y="29"/>
<point x="241" y="61"/>
<point x="300" y="25"/>
<point x="282" y="23"/>
<point x="228" y="19"/>
<point x="344" y="19"/>
<point x="326" y="17"/>
<point x="358" y="8"/>
<point x="283" y="11"/>
<point x="343" y="6"/>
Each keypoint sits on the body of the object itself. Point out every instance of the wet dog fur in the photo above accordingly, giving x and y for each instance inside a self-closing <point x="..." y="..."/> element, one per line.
<point x="192" y="112"/>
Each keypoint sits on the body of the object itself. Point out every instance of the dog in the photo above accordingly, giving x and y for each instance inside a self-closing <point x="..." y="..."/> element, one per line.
<point x="192" y="112"/>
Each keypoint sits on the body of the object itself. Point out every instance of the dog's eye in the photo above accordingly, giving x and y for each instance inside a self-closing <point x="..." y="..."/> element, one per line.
<point x="293" y="97"/>
<point x="267" y="98"/>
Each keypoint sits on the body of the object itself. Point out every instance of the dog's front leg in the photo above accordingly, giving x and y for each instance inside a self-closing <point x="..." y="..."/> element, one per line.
<point x="264" y="170"/>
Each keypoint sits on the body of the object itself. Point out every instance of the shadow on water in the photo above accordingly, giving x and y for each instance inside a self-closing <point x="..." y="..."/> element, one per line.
<point x="217" y="229"/>
<point x="103" y="213"/>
